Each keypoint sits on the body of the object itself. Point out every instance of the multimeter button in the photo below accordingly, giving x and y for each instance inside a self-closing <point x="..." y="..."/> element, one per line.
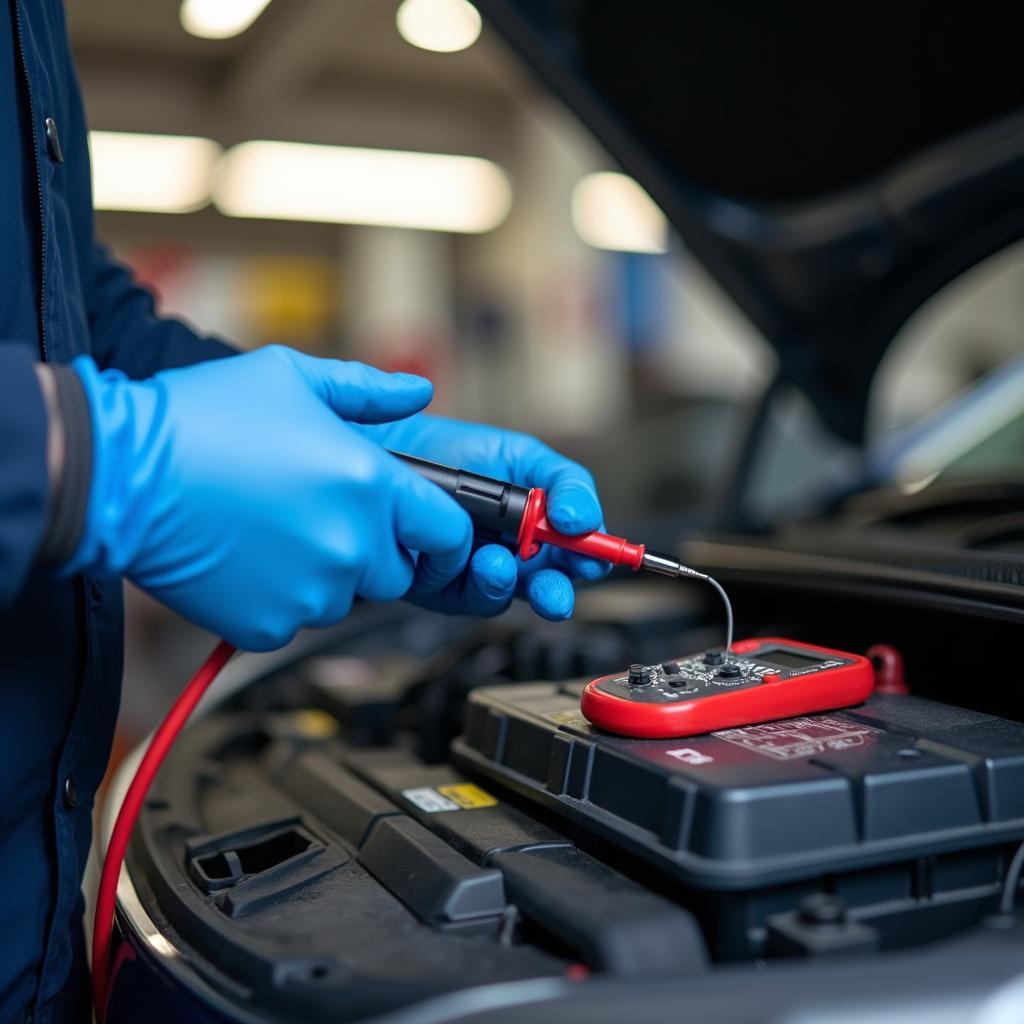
<point x="639" y="675"/>
<point x="679" y="681"/>
<point x="670" y="668"/>
<point x="729" y="672"/>
<point x="713" y="658"/>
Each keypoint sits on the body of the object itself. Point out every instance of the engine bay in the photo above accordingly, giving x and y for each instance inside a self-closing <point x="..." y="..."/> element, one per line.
<point x="418" y="809"/>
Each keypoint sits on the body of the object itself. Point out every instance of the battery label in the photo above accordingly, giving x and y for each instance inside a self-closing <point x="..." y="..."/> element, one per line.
<point x="690" y="756"/>
<point x="426" y="798"/>
<point x="799" y="737"/>
<point x="461" y="797"/>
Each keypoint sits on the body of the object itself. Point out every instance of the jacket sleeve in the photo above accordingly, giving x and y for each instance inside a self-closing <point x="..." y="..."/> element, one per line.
<point x="24" y="486"/>
<point x="126" y="333"/>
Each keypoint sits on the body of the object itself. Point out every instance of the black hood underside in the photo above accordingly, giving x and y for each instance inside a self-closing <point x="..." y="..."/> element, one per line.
<point x="832" y="166"/>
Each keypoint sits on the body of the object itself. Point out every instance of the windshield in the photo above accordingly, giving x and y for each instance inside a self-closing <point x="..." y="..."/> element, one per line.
<point x="948" y="400"/>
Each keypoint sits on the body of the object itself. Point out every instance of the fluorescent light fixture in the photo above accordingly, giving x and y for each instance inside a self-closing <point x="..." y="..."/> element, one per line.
<point x="219" y="19"/>
<point x="341" y="185"/>
<point x="152" y="173"/>
<point x="443" y="26"/>
<point x="611" y="211"/>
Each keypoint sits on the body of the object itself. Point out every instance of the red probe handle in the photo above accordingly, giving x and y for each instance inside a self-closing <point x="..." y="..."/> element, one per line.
<point x="536" y="530"/>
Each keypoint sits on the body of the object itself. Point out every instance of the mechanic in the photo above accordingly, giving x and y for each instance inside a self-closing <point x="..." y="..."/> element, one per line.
<point x="251" y="493"/>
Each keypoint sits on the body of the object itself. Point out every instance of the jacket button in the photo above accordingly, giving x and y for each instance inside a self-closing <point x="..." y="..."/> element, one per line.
<point x="71" y="792"/>
<point x="53" y="141"/>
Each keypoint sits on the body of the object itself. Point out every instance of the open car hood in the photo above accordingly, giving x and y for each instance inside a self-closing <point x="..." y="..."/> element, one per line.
<point x="832" y="167"/>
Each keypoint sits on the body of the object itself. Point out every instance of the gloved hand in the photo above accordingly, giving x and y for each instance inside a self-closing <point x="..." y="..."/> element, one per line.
<point x="235" y="493"/>
<point x="494" y="574"/>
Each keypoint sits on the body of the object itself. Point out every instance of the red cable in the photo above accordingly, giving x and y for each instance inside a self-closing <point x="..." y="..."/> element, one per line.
<point x="162" y="741"/>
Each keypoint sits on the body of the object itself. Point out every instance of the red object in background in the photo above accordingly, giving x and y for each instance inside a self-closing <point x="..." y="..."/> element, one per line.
<point x="424" y="352"/>
<point x="157" y="266"/>
<point x="888" y="665"/>
<point x="776" y="696"/>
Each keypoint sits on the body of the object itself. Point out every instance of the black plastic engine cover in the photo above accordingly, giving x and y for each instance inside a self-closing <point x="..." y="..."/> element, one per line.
<point x="304" y="878"/>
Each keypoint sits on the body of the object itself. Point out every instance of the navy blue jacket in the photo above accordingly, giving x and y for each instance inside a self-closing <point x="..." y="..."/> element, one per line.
<point x="60" y="641"/>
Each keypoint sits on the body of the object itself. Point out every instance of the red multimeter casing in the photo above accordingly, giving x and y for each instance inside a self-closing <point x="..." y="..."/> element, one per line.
<point x="760" y="680"/>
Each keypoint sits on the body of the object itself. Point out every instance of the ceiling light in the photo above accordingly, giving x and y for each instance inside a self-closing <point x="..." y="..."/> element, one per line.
<point x="440" y="25"/>
<point x="611" y="211"/>
<point x="341" y="185"/>
<point x="154" y="173"/>
<point x="219" y="19"/>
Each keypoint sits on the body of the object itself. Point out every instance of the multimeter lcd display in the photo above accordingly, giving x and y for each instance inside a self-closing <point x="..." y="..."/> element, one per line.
<point x="787" y="659"/>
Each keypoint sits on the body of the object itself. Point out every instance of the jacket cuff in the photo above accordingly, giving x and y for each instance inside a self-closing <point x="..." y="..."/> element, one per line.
<point x="68" y="503"/>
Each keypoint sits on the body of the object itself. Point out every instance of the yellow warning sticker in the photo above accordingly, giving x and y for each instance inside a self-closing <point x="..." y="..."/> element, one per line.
<point x="314" y="723"/>
<point x="468" y="796"/>
<point x="564" y="717"/>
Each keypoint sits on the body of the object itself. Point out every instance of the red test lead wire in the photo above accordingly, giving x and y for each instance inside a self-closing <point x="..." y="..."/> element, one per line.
<point x="162" y="741"/>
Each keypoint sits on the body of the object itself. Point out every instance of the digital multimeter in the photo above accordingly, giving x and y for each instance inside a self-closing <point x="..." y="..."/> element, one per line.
<point x="757" y="681"/>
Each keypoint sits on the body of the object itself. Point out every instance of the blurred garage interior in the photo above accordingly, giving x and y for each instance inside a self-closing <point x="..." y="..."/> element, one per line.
<point x="549" y="295"/>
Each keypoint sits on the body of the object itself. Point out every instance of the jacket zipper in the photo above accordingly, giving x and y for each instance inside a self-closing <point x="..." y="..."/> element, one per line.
<point x="79" y="583"/>
<point x="39" y="181"/>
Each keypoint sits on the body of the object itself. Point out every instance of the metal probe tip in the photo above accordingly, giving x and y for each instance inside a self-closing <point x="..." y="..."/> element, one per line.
<point x="668" y="566"/>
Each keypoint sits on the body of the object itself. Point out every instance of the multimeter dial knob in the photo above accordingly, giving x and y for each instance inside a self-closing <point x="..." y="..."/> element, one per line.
<point x="729" y="671"/>
<point x="640" y="675"/>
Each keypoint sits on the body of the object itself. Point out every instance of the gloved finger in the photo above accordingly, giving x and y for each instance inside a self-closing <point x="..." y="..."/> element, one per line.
<point x="575" y="566"/>
<point x="428" y="521"/>
<point x="550" y="594"/>
<point x="580" y="567"/>
<point x="491" y="580"/>
<point x="573" y="505"/>
<point x="259" y="640"/>
<point x="363" y="393"/>
<point x="486" y="588"/>
<point x="337" y="608"/>
<point x="389" y="575"/>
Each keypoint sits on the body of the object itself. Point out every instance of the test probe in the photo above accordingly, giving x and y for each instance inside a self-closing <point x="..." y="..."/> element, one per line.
<point x="503" y="513"/>
<point x="515" y="516"/>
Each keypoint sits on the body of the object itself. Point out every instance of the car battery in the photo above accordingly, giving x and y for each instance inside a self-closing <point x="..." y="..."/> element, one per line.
<point x="880" y="826"/>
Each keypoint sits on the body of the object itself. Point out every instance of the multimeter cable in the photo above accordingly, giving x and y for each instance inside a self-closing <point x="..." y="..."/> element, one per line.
<point x="666" y="565"/>
<point x="728" y="610"/>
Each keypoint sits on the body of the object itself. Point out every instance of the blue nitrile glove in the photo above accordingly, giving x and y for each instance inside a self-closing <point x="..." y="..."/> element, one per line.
<point x="235" y="493"/>
<point x="495" y="575"/>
